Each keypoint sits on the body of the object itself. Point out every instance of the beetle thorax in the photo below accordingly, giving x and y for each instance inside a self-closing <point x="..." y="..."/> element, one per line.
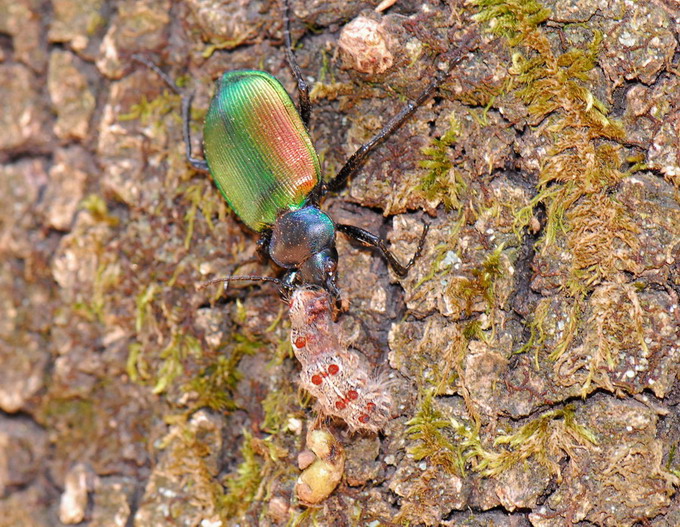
<point x="304" y="239"/>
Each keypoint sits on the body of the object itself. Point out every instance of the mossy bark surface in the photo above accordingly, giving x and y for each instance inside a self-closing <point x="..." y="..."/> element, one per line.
<point x="533" y="349"/>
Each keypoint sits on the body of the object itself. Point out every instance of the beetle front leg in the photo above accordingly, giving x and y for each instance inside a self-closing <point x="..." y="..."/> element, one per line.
<point x="372" y="240"/>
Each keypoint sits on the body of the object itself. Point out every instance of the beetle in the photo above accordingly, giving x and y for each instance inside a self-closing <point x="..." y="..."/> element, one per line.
<point x="257" y="148"/>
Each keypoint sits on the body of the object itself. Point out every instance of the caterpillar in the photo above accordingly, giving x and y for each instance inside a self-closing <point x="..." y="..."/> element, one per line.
<point x="334" y="374"/>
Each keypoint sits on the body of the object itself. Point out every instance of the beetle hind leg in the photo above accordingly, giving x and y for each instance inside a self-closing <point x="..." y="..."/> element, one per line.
<point x="372" y="240"/>
<point x="303" y="88"/>
<point x="356" y="160"/>
<point x="198" y="164"/>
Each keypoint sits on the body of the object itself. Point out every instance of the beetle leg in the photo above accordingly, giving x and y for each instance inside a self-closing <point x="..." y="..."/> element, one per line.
<point x="372" y="240"/>
<point x="263" y="245"/>
<point x="198" y="164"/>
<point x="303" y="87"/>
<point x="355" y="161"/>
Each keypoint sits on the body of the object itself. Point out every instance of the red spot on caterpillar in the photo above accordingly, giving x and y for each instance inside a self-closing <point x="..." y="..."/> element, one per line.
<point x="300" y="342"/>
<point x="317" y="379"/>
<point x="333" y="369"/>
<point x="340" y="405"/>
<point x="370" y="407"/>
<point x="352" y="395"/>
<point x="363" y="418"/>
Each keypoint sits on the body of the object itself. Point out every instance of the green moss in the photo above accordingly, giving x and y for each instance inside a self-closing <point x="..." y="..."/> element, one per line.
<point x="326" y="70"/>
<point x="570" y="330"/>
<point x="544" y="439"/>
<point x="144" y="305"/>
<point x="544" y="322"/>
<point x="440" y="251"/>
<point x="537" y="330"/>
<point x="442" y="181"/>
<point x="217" y="381"/>
<point x="188" y="455"/>
<point x="597" y="225"/>
<point x="583" y="162"/>
<point x="490" y="271"/>
<point x="482" y="284"/>
<point x="616" y="325"/>
<point x="670" y="464"/>
<point x="214" y="384"/>
<point x="135" y="367"/>
<point x="276" y="406"/>
<point x="244" y="483"/>
<point x="96" y="206"/>
<point x="308" y="516"/>
<point x="511" y="19"/>
<point x="172" y="356"/>
<point x="454" y="446"/>
<point x="584" y="159"/>
<point x="484" y="94"/>
<point x="108" y="275"/>
<point x="473" y="330"/>
<point x="435" y="437"/>
<point x="201" y="196"/>
<point x="151" y="111"/>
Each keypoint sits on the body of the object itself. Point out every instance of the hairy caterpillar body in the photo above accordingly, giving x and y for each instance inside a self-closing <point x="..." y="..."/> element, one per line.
<point x="331" y="372"/>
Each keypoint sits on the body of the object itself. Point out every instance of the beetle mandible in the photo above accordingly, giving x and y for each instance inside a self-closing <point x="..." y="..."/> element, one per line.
<point x="259" y="153"/>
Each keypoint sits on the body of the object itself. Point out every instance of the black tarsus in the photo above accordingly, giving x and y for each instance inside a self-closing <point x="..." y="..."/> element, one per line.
<point x="356" y="159"/>
<point x="198" y="164"/>
<point x="370" y="239"/>
<point x="303" y="87"/>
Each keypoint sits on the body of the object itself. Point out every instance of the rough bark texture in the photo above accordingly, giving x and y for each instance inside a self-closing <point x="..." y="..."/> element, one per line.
<point x="533" y="349"/>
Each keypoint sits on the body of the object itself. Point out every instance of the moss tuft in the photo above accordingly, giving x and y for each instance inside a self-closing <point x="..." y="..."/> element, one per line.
<point x="543" y="439"/>
<point x="244" y="483"/>
<point x="442" y="180"/>
<point x="435" y="436"/>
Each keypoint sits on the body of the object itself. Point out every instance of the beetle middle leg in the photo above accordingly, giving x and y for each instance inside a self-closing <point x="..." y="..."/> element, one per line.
<point x="303" y="87"/>
<point x="198" y="164"/>
<point x="372" y="240"/>
<point x="263" y="245"/>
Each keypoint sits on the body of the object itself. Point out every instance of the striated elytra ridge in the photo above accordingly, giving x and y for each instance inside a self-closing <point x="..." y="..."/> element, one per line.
<point x="257" y="148"/>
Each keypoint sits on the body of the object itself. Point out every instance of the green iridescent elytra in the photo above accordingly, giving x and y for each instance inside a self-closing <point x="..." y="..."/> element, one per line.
<point x="257" y="148"/>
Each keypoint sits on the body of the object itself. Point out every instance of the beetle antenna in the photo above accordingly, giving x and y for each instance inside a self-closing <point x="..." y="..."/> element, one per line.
<point x="253" y="278"/>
